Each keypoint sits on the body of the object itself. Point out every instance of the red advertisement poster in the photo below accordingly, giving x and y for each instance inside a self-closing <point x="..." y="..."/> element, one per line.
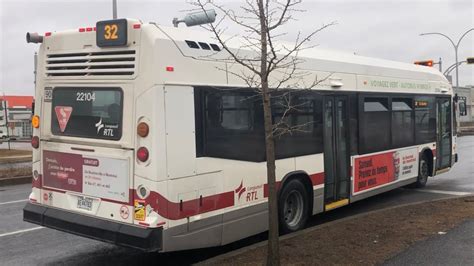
<point x="62" y="170"/>
<point x="93" y="176"/>
<point x="375" y="170"/>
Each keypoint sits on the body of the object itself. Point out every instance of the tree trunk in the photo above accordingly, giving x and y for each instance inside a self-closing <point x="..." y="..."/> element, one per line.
<point x="273" y="254"/>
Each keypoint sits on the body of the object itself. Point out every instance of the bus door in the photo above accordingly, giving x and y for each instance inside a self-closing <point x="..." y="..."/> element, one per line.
<point x="443" y="157"/>
<point x="336" y="151"/>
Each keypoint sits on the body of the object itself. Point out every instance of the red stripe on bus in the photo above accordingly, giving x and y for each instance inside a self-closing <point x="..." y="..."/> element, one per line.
<point x="130" y="202"/>
<point x="316" y="179"/>
<point x="183" y="209"/>
<point x="179" y="210"/>
<point x="36" y="182"/>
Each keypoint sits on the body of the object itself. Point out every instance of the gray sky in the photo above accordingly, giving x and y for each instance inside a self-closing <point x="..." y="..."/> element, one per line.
<point x="378" y="28"/>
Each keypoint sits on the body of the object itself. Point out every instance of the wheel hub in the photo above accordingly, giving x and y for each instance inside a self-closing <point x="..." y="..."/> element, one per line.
<point x="293" y="208"/>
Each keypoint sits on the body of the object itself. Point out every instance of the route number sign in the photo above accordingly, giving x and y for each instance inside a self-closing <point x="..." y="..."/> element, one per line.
<point x="112" y="33"/>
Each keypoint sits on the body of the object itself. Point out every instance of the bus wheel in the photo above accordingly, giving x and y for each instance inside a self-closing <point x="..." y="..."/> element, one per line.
<point x="423" y="173"/>
<point x="293" y="206"/>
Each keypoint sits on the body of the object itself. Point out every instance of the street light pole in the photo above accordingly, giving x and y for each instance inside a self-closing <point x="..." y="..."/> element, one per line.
<point x="451" y="67"/>
<point x="114" y="9"/>
<point x="455" y="45"/>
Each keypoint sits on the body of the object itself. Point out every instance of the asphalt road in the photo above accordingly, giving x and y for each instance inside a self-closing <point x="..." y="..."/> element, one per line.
<point x="27" y="244"/>
<point x="456" y="247"/>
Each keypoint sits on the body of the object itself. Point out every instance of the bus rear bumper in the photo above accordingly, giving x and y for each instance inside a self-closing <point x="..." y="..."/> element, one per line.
<point x="146" y="239"/>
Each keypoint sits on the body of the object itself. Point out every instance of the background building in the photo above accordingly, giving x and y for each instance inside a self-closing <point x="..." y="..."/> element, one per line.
<point x="465" y="109"/>
<point x="15" y="116"/>
<point x="466" y="103"/>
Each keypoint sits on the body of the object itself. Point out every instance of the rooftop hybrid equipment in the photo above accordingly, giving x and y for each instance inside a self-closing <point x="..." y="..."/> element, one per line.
<point x="197" y="18"/>
<point x="33" y="37"/>
<point x="191" y="19"/>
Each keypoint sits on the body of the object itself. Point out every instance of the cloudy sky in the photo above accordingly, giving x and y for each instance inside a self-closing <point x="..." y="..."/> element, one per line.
<point x="378" y="28"/>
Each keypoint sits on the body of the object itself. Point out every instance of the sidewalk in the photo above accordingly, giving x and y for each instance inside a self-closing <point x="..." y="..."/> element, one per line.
<point x="373" y="238"/>
<point x="456" y="247"/>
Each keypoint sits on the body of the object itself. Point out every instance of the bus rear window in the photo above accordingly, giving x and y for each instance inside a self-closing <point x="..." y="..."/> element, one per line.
<point x="87" y="112"/>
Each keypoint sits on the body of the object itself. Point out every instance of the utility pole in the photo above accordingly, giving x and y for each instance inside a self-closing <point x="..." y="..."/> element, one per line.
<point x="114" y="9"/>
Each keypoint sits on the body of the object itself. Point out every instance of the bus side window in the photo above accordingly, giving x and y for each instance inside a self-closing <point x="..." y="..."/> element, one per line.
<point x="227" y="125"/>
<point x="374" y="129"/>
<point x="299" y="116"/>
<point x="402" y="122"/>
<point x="425" y="119"/>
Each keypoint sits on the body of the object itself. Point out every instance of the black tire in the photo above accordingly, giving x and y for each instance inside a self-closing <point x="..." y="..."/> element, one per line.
<point x="293" y="204"/>
<point x="423" y="173"/>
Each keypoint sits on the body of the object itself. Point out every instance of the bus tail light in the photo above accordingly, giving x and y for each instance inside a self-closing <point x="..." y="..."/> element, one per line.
<point x="143" y="129"/>
<point x="142" y="154"/>
<point x="35" y="142"/>
<point x="35" y="121"/>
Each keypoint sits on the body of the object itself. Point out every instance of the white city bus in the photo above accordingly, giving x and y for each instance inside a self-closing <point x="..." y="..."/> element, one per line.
<point x="143" y="139"/>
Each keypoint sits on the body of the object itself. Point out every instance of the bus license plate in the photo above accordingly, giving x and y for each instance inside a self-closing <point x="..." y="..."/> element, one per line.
<point x="84" y="203"/>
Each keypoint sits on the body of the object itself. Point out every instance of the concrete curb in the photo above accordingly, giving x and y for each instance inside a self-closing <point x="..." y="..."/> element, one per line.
<point x="215" y="260"/>
<point x="15" y="180"/>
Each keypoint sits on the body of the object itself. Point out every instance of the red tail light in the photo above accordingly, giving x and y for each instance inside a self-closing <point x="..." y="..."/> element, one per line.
<point x="35" y="142"/>
<point x="142" y="154"/>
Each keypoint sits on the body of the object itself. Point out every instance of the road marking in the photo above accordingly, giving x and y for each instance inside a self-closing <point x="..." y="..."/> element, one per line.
<point x="15" y="201"/>
<point x="21" y="231"/>
<point x="455" y="193"/>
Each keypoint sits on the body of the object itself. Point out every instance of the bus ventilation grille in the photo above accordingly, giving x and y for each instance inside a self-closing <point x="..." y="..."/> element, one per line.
<point x="111" y="63"/>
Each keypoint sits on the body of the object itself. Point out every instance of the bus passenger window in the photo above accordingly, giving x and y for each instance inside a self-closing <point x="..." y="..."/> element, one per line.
<point x="402" y="122"/>
<point x="229" y="124"/>
<point x="299" y="116"/>
<point x="425" y="119"/>
<point x="374" y="129"/>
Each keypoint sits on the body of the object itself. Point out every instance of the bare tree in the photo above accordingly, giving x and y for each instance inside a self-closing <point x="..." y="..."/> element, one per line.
<point x="267" y="65"/>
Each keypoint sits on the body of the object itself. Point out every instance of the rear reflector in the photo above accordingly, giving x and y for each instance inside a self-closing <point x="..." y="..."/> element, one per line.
<point x="35" y="142"/>
<point x="136" y="26"/>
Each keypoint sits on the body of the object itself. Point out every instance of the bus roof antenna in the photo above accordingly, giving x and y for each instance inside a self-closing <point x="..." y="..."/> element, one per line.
<point x="197" y="18"/>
